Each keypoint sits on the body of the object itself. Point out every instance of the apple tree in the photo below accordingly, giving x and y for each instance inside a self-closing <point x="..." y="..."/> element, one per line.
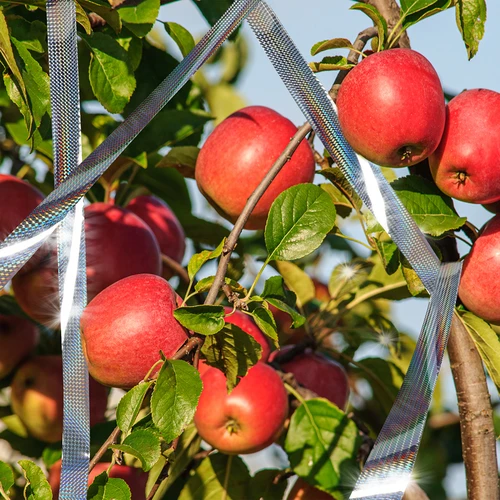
<point x="214" y="331"/>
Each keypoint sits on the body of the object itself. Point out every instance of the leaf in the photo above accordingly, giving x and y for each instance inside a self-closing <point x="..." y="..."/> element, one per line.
<point x="103" y="9"/>
<point x="205" y="284"/>
<point x="32" y="35"/>
<point x="262" y="486"/>
<point x="198" y="259"/>
<point x="265" y="321"/>
<point x="233" y="352"/>
<point x="82" y="19"/>
<point x="51" y="455"/>
<point x="139" y="17"/>
<point x="347" y="277"/>
<point x="182" y="158"/>
<point x="413" y="11"/>
<point x="487" y="343"/>
<point x="175" y="398"/>
<point x="334" y="43"/>
<point x="378" y="20"/>
<point x="6" y="477"/>
<point x="414" y="283"/>
<point x="322" y="444"/>
<point x="337" y="178"/>
<point x="143" y="444"/>
<point x="106" y="488"/>
<point x="471" y="16"/>
<point x="133" y="46"/>
<point x="342" y="204"/>
<point x="181" y="37"/>
<point x="110" y="73"/>
<point x="297" y="281"/>
<point x="331" y="63"/>
<point x="209" y="479"/>
<point x="204" y="319"/>
<point x="433" y="212"/>
<point x="130" y="406"/>
<point x="37" y="487"/>
<point x="223" y="100"/>
<point x="298" y="222"/>
<point x="389" y="255"/>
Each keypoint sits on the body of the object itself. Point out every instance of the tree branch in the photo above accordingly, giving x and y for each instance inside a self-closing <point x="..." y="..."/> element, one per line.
<point x="112" y="439"/>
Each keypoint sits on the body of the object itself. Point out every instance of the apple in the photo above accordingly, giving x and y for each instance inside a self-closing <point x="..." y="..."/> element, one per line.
<point x="466" y="165"/>
<point x="479" y="287"/>
<point x="391" y="108"/>
<point x="238" y="154"/>
<point x="164" y="224"/>
<point x="318" y="373"/>
<point x="248" y="419"/>
<point x="37" y="398"/>
<point x="125" y="327"/>
<point x="17" y="200"/>
<point x="118" y="244"/>
<point x="135" y="478"/>
<point x="18" y="337"/>
<point x="494" y="208"/>
<point x="304" y="491"/>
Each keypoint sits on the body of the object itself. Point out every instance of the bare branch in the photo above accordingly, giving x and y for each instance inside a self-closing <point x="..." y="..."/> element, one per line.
<point x="112" y="439"/>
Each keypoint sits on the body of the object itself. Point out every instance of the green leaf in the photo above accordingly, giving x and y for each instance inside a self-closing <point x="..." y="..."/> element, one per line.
<point x="204" y="319"/>
<point x="104" y="9"/>
<point x="32" y="35"/>
<point x="331" y="63"/>
<point x="322" y="444"/>
<point x="265" y="321"/>
<point x="175" y="398"/>
<point x="106" y="488"/>
<point x="262" y="486"/>
<point x="37" y="487"/>
<point x="385" y="379"/>
<point x="347" y="277"/>
<point x="181" y="37"/>
<point x="342" y="204"/>
<point x="143" y="444"/>
<point x="182" y="158"/>
<point x="198" y="259"/>
<point x="337" y="178"/>
<point x="223" y="99"/>
<point x="130" y="406"/>
<point x="51" y="455"/>
<point x="139" y="17"/>
<point x="413" y="11"/>
<point x="334" y="43"/>
<point x="209" y="479"/>
<point x="298" y="222"/>
<point x="6" y="477"/>
<point x="471" y="16"/>
<point x="487" y="343"/>
<point x="389" y="254"/>
<point x="378" y="20"/>
<point x="205" y="284"/>
<point x="110" y="73"/>
<point x="133" y="46"/>
<point x="233" y="352"/>
<point x="297" y="281"/>
<point x="432" y="211"/>
<point x="414" y="283"/>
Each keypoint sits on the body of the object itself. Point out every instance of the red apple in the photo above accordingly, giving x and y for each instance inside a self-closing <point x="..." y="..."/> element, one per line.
<point x="18" y="337"/>
<point x="479" y="287"/>
<point x="125" y="327"/>
<point x="248" y="419"/>
<point x="391" y="108"/>
<point x="135" y="478"/>
<point x="17" y="200"/>
<point x="37" y="398"/>
<point x="164" y="224"/>
<point x="466" y="165"/>
<point x="118" y="244"/>
<point x="238" y="154"/>
<point x="494" y="208"/>
<point x="322" y="375"/>
<point x="304" y="491"/>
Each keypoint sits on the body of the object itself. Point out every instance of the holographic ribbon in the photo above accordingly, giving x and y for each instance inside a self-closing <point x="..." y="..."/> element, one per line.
<point x="65" y="107"/>
<point x="392" y="460"/>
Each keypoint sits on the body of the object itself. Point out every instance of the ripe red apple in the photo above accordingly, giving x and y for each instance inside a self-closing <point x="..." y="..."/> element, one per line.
<point x="466" y="165"/>
<point x="37" y="398"/>
<point x="17" y="200"/>
<point x="237" y="155"/>
<point x="125" y="327"/>
<point x="248" y="419"/>
<point x="18" y="337"/>
<point x="391" y="108"/>
<point x="494" y="208"/>
<point x="479" y="287"/>
<point x="135" y="478"/>
<point x="118" y="244"/>
<point x="322" y="375"/>
<point x="164" y="224"/>
<point x="304" y="491"/>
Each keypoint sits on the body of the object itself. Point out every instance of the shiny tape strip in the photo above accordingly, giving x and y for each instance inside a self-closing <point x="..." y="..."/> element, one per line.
<point x="65" y="107"/>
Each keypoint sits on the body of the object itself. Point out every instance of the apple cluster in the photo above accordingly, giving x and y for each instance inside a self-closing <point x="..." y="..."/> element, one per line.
<point x="392" y="111"/>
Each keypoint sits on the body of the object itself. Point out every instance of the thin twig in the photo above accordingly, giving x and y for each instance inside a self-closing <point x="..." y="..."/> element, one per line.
<point x="112" y="439"/>
<point x="174" y="266"/>
<point x="164" y="472"/>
